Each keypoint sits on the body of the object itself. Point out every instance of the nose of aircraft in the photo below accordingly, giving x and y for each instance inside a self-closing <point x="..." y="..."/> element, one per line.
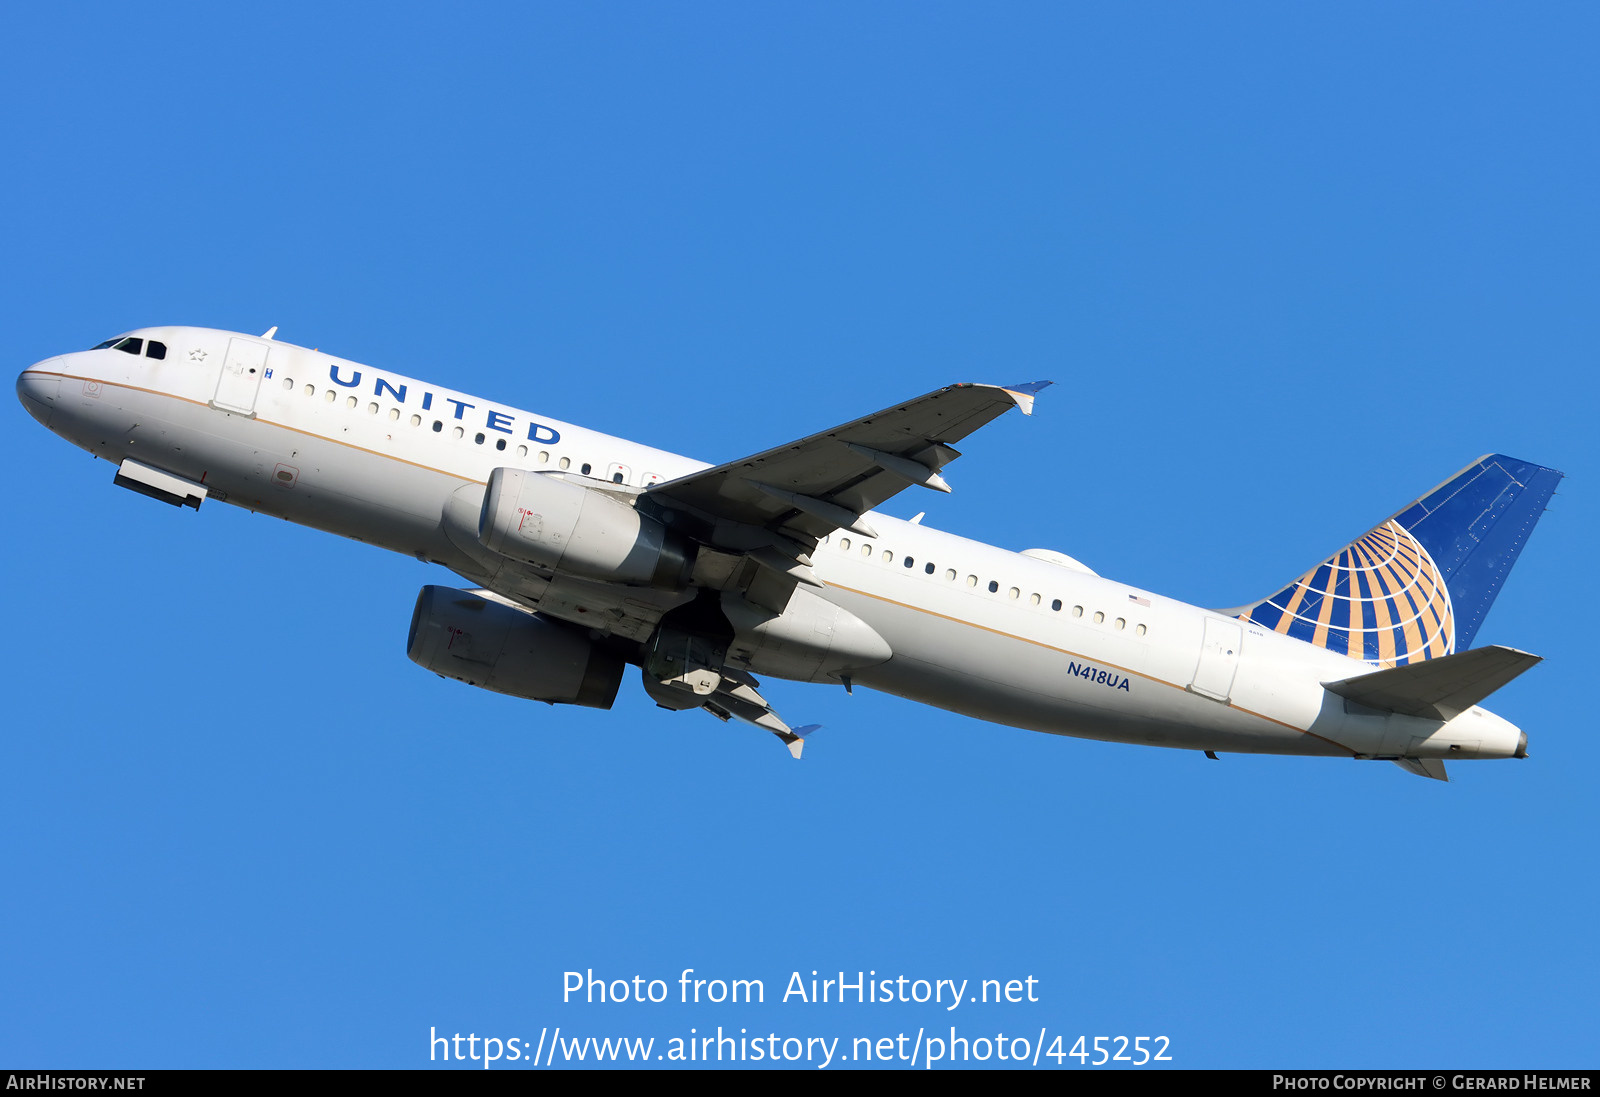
<point x="37" y="388"/>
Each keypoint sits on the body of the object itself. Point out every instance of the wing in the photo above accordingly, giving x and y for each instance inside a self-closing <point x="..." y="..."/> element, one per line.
<point x="737" y="699"/>
<point x="807" y="489"/>
<point x="756" y="520"/>
<point x="761" y="516"/>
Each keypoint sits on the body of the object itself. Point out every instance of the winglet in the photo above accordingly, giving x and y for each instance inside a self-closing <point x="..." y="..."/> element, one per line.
<point x="796" y="739"/>
<point x="1023" y="394"/>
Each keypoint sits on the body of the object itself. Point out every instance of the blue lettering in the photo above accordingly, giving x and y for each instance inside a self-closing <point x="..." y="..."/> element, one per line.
<point x="550" y="436"/>
<point x="427" y="401"/>
<point x="1109" y="678"/>
<point x="461" y="406"/>
<point x="267" y="374"/>
<point x="495" y="424"/>
<point x="398" y="393"/>
<point x="333" y="372"/>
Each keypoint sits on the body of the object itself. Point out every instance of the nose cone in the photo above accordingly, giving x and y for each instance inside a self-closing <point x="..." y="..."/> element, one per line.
<point x="37" y="388"/>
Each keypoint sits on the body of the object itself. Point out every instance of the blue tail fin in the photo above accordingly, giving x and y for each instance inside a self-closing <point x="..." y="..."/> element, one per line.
<point x="1418" y="586"/>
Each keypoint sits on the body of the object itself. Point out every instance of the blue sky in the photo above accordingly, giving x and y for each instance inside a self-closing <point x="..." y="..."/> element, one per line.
<point x="1289" y="266"/>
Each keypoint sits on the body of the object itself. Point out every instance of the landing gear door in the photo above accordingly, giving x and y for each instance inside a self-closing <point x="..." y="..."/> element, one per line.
<point x="1219" y="659"/>
<point x="241" y="376"/>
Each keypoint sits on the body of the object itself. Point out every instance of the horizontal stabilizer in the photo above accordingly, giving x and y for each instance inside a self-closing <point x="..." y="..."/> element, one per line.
<point x="1438" y="689"/>
<point x="1424" y="767"/>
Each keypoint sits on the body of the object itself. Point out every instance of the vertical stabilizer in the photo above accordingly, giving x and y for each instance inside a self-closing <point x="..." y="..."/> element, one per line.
<point x="1420" y="583"/>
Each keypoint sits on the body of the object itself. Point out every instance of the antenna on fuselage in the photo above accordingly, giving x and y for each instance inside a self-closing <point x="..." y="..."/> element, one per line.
<point x="270" y="332"/>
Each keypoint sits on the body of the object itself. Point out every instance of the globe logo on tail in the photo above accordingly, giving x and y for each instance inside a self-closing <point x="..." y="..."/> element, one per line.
<point x="1381" y="599"/>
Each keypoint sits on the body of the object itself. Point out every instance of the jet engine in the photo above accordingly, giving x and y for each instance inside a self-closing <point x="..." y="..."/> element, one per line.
<point x="471" y="637"/>
<point x="541" y="519"/>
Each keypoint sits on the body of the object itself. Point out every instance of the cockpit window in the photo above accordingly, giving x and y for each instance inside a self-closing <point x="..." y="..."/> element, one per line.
<point x="130" y="345"/>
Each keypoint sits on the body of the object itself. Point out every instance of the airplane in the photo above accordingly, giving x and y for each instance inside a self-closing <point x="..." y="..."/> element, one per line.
<point x="587" y="554"/>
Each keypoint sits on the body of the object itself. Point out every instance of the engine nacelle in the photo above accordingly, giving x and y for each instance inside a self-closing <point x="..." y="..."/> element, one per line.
<point x="463" y="635"/>
<point x="542" y="519"/>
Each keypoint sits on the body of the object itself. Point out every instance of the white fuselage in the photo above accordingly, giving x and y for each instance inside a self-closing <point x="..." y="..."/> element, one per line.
<point x="975" y="629"/>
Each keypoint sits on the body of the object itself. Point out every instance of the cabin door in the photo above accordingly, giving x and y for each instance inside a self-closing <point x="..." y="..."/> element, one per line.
<point x="1219" y="659"/>
<point x="241" y="376"/>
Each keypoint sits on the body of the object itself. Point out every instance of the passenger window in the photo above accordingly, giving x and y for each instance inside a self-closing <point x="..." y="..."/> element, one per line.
<point x="1121" y="623"/>
<point x="478" y="438"/>
<point x="437" y="426"/>
<point x="544" y="456"/>
<point x="158" y="351"/>
<point x="310" y="390"/>
<point x="888" y="557"/>
<point x="500" y="443"/>
<point x="522" y="451"/>
<point x="1077" y="611"/>
<point x="331" y="396"/>
<point x="350" y="402"/>
<point x="928" y="569"/>
<point x="910" y="562"/>
<point x="416" y="420"/>
<point x="993" y="586"/>
<point x="394" y="415"/>
<point x="950" y="575"/>
<point x="866" y="550"/>
<point x="972" y="580"/>
<point x="844" y="544"/>
<point x="616" y="477"/>
<point x="458" y="432"/>
<point x="372" y="409"/>
<point x="565" y="462"/>
<point x="1013" y="594"/>
<point x="1099" y="618"/>
<point x="1056" y="605"/>
<point x="1033" y="599"/>
<point x="585" y="468"/>
<point x="288" y="384"/>
<point x="1140" y="630"/>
